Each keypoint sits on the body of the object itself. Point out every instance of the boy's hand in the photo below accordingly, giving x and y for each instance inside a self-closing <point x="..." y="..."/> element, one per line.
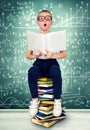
<point x="37" y="53"/>
<point x="49" y="54"/>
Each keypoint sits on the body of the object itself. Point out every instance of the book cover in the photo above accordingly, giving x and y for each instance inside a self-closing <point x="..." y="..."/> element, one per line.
<point x="40" y="119"/>
<point x="49" y="82"/>
<point x="52" y="41"/>
<point x="44" y="79"/>
<point x="45" y="99"/>
<point x="47" y="102"/>
<point x="45" y="89"/>
<point x="46" y="123"/>
<point x="40" y="92"/>
<point x="62" y="116"/>
<point x="46" y="112"/>
<point x="44" y="85"/>
<point x="42" y="115"/>
<point x="46" y="95"/>
<point x="45" y="107"/>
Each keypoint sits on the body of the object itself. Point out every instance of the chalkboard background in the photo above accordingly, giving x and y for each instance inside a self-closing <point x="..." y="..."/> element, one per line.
<point x="18" y="16"/>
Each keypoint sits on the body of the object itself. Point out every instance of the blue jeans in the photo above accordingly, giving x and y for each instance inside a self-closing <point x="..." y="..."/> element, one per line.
<point x="45" y="68"/>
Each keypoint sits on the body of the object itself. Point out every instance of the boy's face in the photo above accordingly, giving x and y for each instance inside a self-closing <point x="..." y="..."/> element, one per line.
<point x="44" y="21"/>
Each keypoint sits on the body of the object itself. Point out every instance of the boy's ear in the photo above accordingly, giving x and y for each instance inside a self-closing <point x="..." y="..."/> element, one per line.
<point x="51" y="22"/>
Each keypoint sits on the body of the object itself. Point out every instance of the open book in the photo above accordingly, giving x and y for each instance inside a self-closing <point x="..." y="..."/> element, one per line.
<point x="52" y="41"/>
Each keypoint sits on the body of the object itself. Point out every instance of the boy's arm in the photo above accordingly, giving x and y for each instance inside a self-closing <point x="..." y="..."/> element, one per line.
<point x="30" y="55"/>
<point x="60" y="55"/>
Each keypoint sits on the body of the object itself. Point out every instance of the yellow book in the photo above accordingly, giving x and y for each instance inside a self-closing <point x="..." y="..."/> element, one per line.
<point x="47" y="102"/>
<point x="44" y="79"/>
<point x="45" y="82"/>
<point x="46" y="123"/>
<point x="46" y="107"/>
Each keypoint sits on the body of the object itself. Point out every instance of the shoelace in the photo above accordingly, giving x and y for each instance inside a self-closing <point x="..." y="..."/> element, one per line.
<point x="34" y="104"/>
<point x="57" y="105"/>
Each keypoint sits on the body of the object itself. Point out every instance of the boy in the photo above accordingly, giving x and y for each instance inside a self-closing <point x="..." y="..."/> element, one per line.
<point x="45" y="65"/>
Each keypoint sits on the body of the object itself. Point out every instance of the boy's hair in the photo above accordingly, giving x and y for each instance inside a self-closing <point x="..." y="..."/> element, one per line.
<point x="47" y="11"/>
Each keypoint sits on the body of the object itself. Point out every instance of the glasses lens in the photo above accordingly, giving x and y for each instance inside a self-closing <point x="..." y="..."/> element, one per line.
<point x="48" y="18"/>
<point x="41" y="18"/>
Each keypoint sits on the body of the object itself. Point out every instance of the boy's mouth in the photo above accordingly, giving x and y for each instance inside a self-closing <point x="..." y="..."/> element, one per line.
<point x="45" y="25"/>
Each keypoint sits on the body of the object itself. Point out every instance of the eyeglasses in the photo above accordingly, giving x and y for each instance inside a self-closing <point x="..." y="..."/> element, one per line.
<point x="42" y="18"/>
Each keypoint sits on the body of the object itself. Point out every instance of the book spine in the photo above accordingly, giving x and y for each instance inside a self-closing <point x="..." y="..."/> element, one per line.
<point x="44" y="47"/>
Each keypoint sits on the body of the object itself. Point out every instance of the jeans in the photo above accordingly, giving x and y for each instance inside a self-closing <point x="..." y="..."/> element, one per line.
<point x="45" y="68"/>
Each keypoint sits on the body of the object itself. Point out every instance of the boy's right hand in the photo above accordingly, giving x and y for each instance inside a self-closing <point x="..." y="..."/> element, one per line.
<point x="37" y="53"/>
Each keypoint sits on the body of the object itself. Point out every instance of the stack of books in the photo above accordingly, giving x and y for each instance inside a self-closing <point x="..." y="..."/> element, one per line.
<point x="45" y="89"/>
<point x="44" y="115"/>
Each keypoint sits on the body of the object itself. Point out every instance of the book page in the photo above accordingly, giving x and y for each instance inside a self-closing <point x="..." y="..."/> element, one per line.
<point x="53" y="41"/>
<point x="56" y="41"/>
<point x="34" y="41"/>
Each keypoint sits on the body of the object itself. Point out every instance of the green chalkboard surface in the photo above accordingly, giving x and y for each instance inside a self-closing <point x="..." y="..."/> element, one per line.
<point x="18" y="16"/>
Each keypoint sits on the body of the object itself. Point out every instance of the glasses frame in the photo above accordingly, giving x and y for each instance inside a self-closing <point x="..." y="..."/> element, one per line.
<point x="45" y="18"/>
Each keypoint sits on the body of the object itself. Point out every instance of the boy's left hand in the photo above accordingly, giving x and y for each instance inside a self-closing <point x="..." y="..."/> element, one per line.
<point x="49" y="54"/>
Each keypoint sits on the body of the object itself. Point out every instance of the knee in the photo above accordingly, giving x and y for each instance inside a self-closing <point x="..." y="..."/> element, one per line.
<point x="33" y="71"/>
<point x="55" y="70"/>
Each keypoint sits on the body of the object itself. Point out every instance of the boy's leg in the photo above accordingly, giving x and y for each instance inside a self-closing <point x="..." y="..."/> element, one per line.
<point x="55" y="74"/>
<point x="33" y="74"/>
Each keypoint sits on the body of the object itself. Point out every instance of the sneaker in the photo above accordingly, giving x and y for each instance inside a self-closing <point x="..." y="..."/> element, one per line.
<point x="33" y="108"/>
<point x="57" y="110"/>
